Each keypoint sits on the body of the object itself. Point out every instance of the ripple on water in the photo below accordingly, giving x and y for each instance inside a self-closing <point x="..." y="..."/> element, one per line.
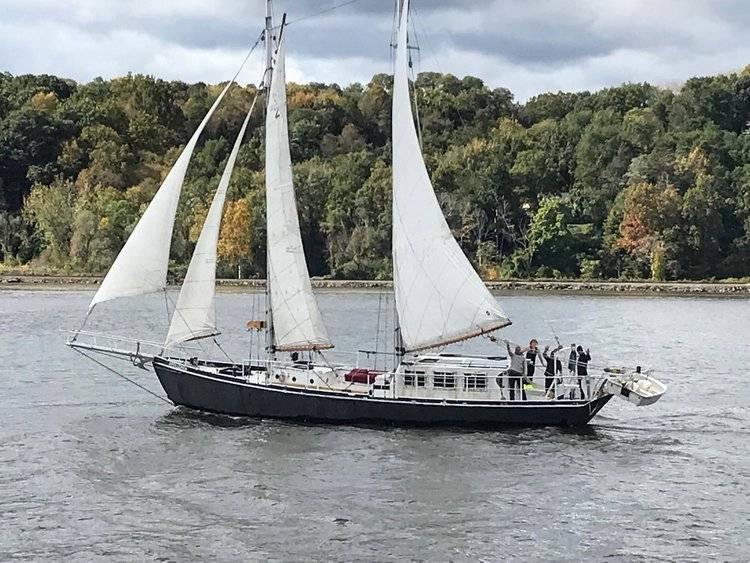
<point x="92" y="469"/>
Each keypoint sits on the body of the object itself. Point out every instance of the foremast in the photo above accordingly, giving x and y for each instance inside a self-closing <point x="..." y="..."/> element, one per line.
<point x="268" y="39"/>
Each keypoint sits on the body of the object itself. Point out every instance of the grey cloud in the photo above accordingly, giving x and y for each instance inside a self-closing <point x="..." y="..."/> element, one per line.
<point x="533" y="45"/>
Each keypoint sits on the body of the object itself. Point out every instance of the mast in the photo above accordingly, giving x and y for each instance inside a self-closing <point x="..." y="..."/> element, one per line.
<point x="268" y="38"/>
<point x="398" y="341"/>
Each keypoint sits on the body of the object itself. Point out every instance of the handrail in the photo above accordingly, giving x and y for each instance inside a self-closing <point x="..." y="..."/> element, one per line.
<point x="119" y="338"/>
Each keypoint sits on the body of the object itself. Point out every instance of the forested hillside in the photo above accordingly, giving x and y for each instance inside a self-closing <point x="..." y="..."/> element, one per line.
<point x="628" y="182"/>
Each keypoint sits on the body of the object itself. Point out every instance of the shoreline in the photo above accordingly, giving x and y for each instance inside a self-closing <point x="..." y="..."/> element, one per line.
<point x="22" y="282"/>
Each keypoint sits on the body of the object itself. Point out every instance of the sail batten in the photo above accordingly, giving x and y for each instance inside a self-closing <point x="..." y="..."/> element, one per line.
<point x="194" y="316"/>
<point x="141" y="265"/>
<point x="297" y="322"/>
<point x="440" y="299"/>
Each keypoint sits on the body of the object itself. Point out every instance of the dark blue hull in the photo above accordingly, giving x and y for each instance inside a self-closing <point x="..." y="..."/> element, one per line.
<point x="225" y="394"/>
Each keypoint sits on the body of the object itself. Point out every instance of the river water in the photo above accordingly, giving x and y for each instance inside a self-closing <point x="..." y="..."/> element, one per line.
<point x="94" y="468"/>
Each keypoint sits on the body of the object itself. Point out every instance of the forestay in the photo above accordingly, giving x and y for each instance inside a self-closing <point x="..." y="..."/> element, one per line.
<point x="141" y="265"/>
<point x="297" y="323"/>
<point x="194" y="316"/>
<point x="439" y="297"/>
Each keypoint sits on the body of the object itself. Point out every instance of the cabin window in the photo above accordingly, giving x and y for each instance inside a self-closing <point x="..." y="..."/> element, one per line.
<point x="443" y="380"/>
<point x="475" y="382"/>
<point x="411" y="376"/>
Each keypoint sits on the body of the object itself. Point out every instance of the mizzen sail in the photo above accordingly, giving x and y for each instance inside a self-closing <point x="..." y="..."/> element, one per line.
<point x="439" y="296"/>
<point x="194" y="316"/>
<point x="141" y="265"/>
<point x="297" y="323"/>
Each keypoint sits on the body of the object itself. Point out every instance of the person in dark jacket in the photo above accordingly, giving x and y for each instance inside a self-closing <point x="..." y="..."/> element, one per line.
<point x="532" y="354"/>
<point x="582" y="366"/>
<point x="572" y="359"/>
<point x="551" y="363"/>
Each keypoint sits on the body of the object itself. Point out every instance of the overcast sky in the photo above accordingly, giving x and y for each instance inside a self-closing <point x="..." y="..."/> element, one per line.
<point x="529" y="46"/>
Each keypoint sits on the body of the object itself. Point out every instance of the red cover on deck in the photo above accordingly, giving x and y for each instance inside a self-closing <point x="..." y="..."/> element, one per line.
<point x="360" y="375"/>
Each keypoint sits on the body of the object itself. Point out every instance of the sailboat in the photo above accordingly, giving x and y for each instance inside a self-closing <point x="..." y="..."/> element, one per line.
<point x="439" y="299"/>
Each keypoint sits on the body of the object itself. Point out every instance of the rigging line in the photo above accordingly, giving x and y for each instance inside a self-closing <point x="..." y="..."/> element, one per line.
<point x="377" y="328"/>
<point x="166" y="306"/>
<point x="126" y="378"/>
<point x="321" y="12"/>
<point x="83" y="324"/>
<point x="328" y="365"/>
<point x="222" y="350"/>
<point x="250" y="52"/>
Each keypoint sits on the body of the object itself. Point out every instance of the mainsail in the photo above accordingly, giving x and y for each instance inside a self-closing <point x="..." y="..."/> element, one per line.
<point x="439" y="296"/>
<point x="141" y="265"/>
<point x="297" y="324"/>
<point x="194" y="316"/>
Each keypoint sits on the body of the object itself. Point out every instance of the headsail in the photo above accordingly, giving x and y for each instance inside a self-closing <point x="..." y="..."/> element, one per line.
<point x="439" y="296"/>
<point x="297" y="323"/>
<point x="194" y="316"/>
<point x="141" y="265"/>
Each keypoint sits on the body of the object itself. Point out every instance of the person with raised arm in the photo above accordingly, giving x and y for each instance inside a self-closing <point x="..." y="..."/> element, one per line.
<point x="516" y="371"/>
<point x="551" y="365"/>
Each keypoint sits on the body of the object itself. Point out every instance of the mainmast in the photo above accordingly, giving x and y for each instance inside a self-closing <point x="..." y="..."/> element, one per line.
<point x="269" y="40"/>
<point x="398" y="341"/>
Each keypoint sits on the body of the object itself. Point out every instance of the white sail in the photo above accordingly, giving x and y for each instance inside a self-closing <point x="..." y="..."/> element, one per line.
<point x="297" y="324"/>
<point x="194" y="316"/>
<point x="439" y="297"/>
<point x="141" y="265"/>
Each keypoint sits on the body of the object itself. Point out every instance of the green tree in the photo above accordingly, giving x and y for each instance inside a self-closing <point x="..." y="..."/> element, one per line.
<point x="50" y="209"/>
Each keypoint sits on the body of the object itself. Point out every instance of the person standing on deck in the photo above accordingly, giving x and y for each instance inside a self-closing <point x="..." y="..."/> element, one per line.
<point x="572" y="363"/>
<point x="516" y="371"/>
<point x="572" y="360"/>
<point x="531" y="356"/>
<point x="582" y="364"/>
<point x="551" y="362"/>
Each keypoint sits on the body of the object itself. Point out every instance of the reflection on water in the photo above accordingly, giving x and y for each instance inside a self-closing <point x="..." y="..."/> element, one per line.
<point x="91" y="467"/>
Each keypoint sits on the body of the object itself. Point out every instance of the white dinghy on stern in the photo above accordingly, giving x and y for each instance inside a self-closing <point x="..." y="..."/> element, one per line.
<point x="637" y="388"/>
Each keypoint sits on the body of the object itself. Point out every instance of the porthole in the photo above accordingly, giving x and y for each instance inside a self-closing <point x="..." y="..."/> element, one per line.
<point x="294" y="380"/>
<point x="276" y="376"/>
<point x="312" y="382"/>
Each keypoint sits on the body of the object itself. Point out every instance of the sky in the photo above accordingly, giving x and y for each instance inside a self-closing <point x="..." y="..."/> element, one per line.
<point x="528" y="46"/>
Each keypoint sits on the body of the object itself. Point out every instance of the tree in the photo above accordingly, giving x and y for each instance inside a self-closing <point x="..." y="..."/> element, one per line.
<point x="551" y="243"/>
<point x="29" y="140"/>
<point x="632" y="181"/>
<point x="15" y="240"/>
<point x="234" y="239"/>
<point x="651" y="213"/>
<point x="50" y="210"/>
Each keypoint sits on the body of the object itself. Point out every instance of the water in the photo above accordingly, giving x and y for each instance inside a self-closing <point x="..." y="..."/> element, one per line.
<point x="94" y="468"/>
